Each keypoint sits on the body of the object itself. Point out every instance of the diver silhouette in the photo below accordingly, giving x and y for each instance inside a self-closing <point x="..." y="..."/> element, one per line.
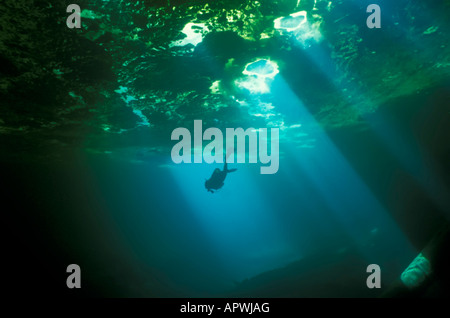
<point x="218" y="177"/>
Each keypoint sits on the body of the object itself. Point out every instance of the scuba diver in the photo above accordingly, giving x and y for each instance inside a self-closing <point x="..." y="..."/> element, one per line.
<point x="218" y="177"/>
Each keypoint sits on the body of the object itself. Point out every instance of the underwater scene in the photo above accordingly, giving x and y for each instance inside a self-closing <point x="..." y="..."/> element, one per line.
<point x="235" y="148"/>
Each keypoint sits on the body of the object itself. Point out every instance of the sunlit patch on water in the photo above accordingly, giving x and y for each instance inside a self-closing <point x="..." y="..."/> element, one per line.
<point x="298" y="26"/>
<point x="194" y="33"/>
<point x="292" y="22"/>
<point x="260" y="74"/>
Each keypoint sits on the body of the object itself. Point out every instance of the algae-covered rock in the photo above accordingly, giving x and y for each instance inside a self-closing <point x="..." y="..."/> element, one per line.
<point x="57" y="82"/>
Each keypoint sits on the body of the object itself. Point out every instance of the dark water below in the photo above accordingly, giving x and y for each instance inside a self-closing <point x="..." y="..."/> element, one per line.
<point x="147" y="227"/>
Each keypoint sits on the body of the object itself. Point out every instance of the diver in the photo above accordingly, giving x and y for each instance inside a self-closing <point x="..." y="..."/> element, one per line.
<point x="218" y="177"/>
